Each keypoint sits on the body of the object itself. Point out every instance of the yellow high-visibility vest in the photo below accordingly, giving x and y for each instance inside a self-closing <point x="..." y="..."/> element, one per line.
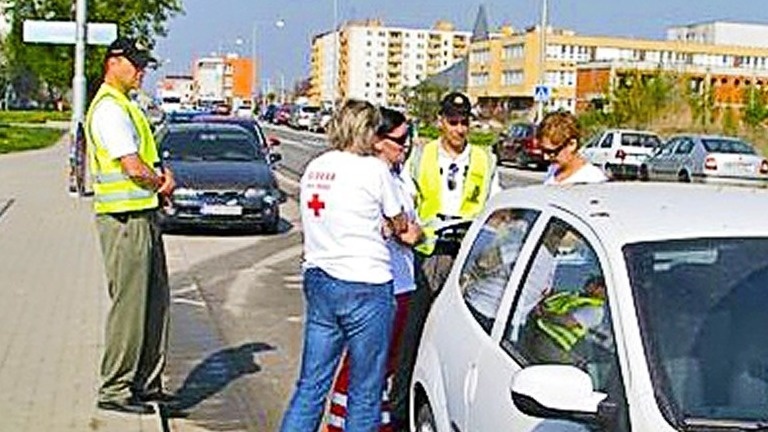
<point x="425" y="171"/>
<point x="562" y="304"/>
<point x="113" y="190"/>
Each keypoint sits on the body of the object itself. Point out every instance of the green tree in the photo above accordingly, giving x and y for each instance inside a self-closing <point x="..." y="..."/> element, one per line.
<point x="701" y="101"/>
<point x="756" y="109"/>
<point x="639" y="98"/>
<point x="423" y="100"/>
<point x="53" y="64"/>
<point x="730" y="123"/>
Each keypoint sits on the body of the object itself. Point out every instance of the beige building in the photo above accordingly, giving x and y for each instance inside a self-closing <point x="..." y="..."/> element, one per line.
<point x="504" y="71"/>
<point x="368" y="60"/>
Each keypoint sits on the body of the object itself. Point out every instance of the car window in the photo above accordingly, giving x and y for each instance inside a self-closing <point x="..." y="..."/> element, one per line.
<point x="490" y="261"/>
<point x="210" y="145"/>
<point x="592" y="141"/>
<point x="521" y="131"/>
<point x="669" y="147"/>
<point x="685" y="147"/>
<point x="632" y="139"/>
<point x="561" y="314"/>
<point x="607" y="141"/>
<point x="713" y="145"/>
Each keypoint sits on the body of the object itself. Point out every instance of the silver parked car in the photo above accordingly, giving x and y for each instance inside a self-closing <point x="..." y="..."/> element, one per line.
<point x="707" y="159"/>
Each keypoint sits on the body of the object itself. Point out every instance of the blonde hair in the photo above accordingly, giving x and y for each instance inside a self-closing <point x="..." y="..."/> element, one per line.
<point x="559" y="128"/>
<point x="353" y="127"/>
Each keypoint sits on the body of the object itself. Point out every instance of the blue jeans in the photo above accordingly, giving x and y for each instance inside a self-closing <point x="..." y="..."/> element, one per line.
<point x="342" y="314"/>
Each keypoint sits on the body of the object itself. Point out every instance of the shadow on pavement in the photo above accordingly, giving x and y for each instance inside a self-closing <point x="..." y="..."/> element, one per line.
<point x="217" y="371"/>
<point x="223" y="231"/>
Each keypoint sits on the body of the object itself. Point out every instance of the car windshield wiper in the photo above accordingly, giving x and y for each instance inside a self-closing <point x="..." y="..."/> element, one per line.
<point x="705" y="424"/>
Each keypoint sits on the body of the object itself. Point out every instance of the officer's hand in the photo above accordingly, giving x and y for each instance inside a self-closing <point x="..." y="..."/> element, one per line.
<point x="169" y="183"/>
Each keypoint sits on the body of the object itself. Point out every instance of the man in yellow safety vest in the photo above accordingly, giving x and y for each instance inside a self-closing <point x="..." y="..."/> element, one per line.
<point x="128" y="181"/>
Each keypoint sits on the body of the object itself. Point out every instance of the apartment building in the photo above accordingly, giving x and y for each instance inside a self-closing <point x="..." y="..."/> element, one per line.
<point x="368" y="60"/>
<point x="722" y="33"/>
<point x="504" y="70"/>
<point x="227" y="79"/>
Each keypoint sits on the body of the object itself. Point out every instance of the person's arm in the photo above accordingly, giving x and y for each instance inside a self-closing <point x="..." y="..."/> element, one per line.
<point x="140" y="173"/>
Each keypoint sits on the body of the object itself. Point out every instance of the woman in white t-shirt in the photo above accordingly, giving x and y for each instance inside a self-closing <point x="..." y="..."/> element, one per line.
<point x="394" y="134"/>
<point x="559" y="141"/>
<point x="347" y="195"/>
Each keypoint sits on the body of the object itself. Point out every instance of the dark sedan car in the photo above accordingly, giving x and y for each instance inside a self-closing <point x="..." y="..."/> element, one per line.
<point x="222" y="175"/>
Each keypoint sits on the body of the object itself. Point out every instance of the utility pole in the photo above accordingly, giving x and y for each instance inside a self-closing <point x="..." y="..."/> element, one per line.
<point x="542" y="56"/>
<point x="78" y="81"/>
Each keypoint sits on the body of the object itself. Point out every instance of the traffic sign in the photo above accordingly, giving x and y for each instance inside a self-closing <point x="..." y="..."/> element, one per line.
<point x="542" y="93"/>
<point x="63" y="32"/>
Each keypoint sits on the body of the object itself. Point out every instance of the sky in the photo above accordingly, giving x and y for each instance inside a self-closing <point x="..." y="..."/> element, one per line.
<point x="209" y="26"/>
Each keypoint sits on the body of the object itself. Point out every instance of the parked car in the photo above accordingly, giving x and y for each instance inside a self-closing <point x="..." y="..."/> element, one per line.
<point x="222" y="178"/>
<point x="283" y="115"/>
<point x="605" y="307"/>
<point x="319" y="121"/>
<point x="268" y="144"/>
<point x="302" y="115"/>
<point x="520" y="146"/>
<point x="706" y="158"/>
<point x="620" y="152"/>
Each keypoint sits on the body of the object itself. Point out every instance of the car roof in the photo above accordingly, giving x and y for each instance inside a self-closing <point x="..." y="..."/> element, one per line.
<point x="627" y="212"/>
<point x="218" y="118"/>
<point x="707" y="136"/>
<point x="637" y="131"/>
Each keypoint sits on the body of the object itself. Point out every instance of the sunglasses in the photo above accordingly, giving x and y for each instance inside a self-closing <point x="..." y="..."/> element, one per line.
<point x="456" y="122"/>
<point x="402" y="140"/>
<point x="453" y="169"/>
<point x="554" y="151"/>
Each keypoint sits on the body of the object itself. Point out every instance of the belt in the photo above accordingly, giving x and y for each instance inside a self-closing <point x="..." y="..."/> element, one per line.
<point x="123" y="217"/>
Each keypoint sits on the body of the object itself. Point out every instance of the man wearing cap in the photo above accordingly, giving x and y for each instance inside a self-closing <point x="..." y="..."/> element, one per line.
<point x="128" y="183"/>
<point x="453" y="180"/>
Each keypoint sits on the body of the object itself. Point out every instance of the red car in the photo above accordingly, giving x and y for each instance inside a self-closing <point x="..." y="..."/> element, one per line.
<point x="283" y="115"/>
<point x="520" y="146"/>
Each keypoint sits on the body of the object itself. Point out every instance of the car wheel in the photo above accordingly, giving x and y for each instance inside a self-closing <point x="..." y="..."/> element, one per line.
<point x="273" y="226"/>
<point x="683" y="177"/>
<point x="425" y="420"/>
<point x="642" y="173"/>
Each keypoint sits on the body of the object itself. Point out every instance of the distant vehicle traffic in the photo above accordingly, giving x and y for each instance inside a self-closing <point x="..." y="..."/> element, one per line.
<point x="707" y="159"/>
<point x="620" y="152"/>
<point x="612" y="307"/>
<point x="301" y="117"/>
<point x="520" y="146"/>
<point x="223" y="178"/>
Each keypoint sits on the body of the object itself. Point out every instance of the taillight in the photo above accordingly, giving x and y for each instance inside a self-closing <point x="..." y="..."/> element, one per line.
<point x="710" y="163"/>
<point x="764" y="167"/>
<point x="620" y="154"/>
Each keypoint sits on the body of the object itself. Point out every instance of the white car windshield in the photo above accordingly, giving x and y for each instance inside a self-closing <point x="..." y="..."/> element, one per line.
<point x="702" y="309"/>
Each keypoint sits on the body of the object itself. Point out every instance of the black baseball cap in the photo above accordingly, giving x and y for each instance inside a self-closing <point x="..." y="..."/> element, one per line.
<point x="133" y="50"/>
<point x="455" y="104"/>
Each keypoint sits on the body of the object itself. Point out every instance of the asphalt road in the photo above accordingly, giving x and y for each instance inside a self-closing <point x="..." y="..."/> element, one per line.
<point x="238" y="308"/>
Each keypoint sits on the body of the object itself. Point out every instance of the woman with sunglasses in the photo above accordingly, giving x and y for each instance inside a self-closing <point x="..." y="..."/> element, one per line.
<point x="559" y="140"/>
<point x="346" y="196"/>
<point x="392" y="148"/>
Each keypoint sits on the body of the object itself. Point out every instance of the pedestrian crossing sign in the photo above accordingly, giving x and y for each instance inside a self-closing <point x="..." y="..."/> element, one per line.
<point x="542" y="93"/>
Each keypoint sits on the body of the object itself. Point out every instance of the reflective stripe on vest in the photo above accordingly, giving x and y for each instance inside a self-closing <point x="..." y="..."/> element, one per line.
<point x="425" y="172"/>
<point x="562" y="304"/>
<point x="114" y="191"/>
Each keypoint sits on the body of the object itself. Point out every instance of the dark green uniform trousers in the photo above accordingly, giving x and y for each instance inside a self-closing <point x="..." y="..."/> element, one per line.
<point x="136" y="336"/>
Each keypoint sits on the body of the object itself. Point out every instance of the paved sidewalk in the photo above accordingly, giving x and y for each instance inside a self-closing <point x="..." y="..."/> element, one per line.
<point x="53" y="304"/>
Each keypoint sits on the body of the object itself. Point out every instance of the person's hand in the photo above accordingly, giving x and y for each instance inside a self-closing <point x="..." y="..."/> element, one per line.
<point x="412" y="234"/>
<point x="169" y="183"/>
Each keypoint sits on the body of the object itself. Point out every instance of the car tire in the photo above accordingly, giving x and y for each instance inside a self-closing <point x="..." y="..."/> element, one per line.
<point x="642" y="173"/>
<point x="683" y="177"/>
<point x="273" y="226"/>
<point x="425" y="420"/>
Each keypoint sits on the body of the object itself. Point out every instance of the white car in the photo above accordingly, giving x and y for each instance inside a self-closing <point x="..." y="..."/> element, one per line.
<point x="620" y="152"/>
<point x="614" y="307"/>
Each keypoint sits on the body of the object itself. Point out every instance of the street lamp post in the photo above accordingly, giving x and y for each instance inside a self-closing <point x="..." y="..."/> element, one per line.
<point x="254" y="29"/>
<point x="542" y="56"/>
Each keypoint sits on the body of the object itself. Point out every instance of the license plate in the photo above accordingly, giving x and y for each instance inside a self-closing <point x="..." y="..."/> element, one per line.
<point x="222" y="210"/>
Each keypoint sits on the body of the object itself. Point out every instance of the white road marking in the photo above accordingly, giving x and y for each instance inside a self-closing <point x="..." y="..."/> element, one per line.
<point x="185" y="290"/>
<point x="189" y="302"/>
<point x="294" y="319"/>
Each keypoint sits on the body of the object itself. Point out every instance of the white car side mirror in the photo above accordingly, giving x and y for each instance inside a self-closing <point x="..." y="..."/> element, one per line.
<point x="556" y="391"/>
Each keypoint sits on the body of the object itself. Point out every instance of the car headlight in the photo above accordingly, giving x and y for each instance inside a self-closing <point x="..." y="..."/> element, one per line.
<point x="252" y="193"/>
<point x="185" y="193"/>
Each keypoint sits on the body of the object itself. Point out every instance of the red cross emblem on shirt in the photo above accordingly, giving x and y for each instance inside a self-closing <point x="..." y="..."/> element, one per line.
<point x="316" y="205"/>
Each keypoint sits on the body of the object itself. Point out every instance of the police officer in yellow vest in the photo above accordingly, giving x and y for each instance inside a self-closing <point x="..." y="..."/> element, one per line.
<point x="128" y="182"/>
<point x="452" y="180"/>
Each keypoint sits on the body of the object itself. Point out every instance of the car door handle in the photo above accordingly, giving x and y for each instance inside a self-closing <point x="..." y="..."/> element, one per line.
<point x="470" y="384"/>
